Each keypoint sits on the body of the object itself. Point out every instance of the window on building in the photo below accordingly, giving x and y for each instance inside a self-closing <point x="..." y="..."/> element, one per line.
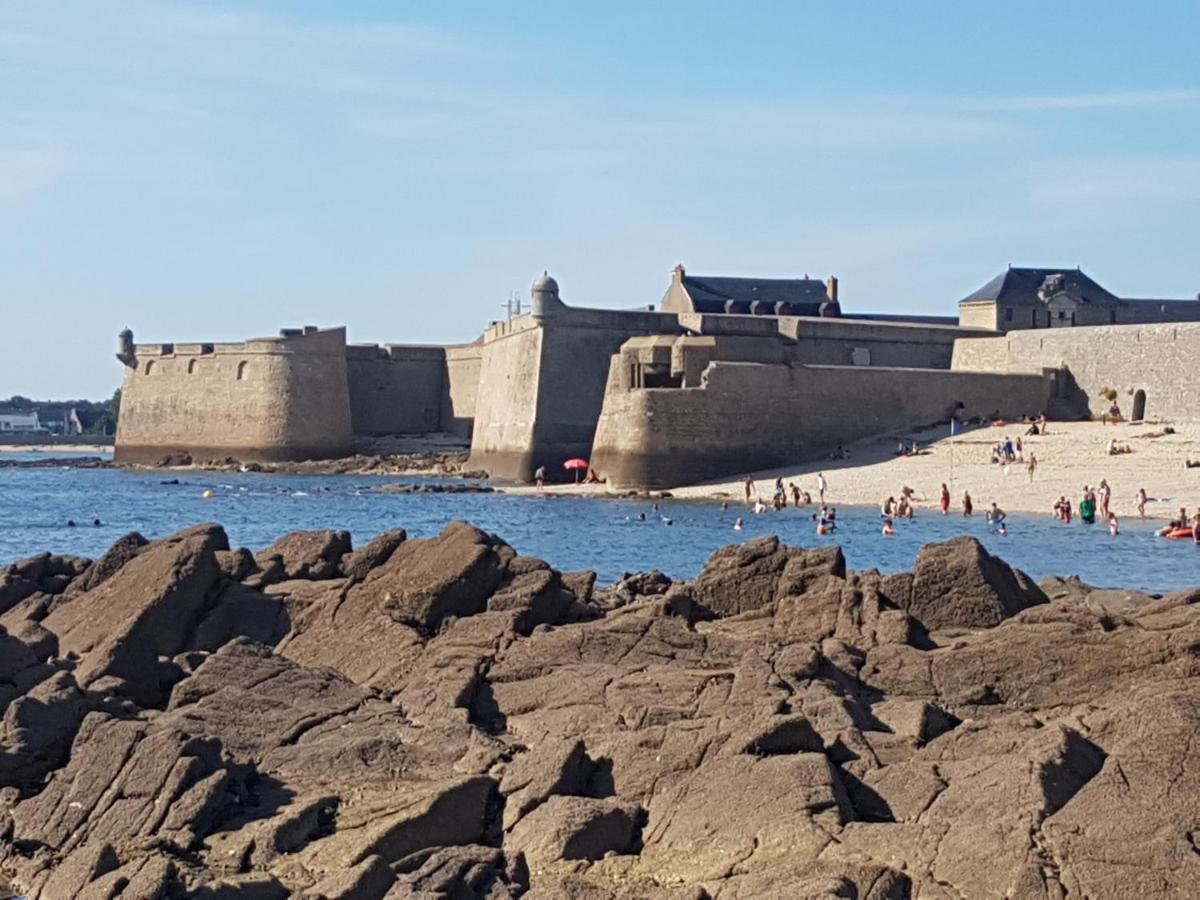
<point x="1008" y="314"/>
<point x="241" y="370"/>
<point x="1112" y="317"/>
<point x="1061" y="315"/>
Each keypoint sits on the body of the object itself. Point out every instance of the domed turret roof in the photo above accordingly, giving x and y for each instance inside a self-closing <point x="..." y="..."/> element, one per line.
<point x="545" y="283"/>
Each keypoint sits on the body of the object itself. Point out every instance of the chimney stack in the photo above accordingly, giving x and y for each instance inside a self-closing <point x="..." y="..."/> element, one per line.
<point x="831" y="288"/>
<point x="679" y="271"/>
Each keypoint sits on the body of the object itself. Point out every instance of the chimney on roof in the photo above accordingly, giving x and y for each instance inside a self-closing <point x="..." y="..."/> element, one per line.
<point x="679" y="271"/>
<point x="831" y="288"/>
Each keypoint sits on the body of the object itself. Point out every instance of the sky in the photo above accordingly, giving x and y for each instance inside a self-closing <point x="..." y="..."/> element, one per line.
<point x="215" y="171"/>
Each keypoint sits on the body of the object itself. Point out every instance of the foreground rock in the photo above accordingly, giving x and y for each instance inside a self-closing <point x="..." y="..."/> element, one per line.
<point x="444" y="717"/>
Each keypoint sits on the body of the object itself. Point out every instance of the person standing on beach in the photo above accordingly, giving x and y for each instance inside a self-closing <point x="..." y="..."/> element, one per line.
<point x="539" y="477"/>
<point x="945" y="500"/>
<point x="822" y="484"/>
<point x="795" y="494"/>
<point x="1141" y="502"/>
<point x="1105" y="494"/>
<point x="749" y="485"/>
<point x="968" y="506"/>
<point x="1031" y="466"/>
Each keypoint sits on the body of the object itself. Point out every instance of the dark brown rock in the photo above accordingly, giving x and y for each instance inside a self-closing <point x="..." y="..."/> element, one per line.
<point x="567" y="828"/>
<point x="957" y="583"/>
<point x="37" y="730"/>
<point x="453" y="574"/>
<point x="236" y="565"/>
<point x="358" y="564"/>
<point x="471" y="872"/>
<point x="307" y="554"/>
<point x="147" y="610"/>
<point x="754" y="575"/>
<point x="450" y="719"/>
<point x="551" y="767"/>
<point x="122" y="551"/>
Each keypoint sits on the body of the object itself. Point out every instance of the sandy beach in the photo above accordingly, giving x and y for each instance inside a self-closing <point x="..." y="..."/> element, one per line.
<point x="1071" y="455"/>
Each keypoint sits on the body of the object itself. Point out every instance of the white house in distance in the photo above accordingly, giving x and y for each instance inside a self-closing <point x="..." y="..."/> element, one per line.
<point x="19" y="421"/>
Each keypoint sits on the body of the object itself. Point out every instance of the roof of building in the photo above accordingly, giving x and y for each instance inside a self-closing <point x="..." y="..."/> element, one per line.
<point x="709" y="293"/>
<point x="1020" y="286"/>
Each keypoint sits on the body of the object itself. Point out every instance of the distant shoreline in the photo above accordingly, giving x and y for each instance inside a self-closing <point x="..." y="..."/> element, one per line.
<point x="51" y="448"/>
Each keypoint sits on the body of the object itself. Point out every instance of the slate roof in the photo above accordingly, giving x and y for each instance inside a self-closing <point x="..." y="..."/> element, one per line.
<point x="710" y="293"/>
<point x="1018" y="286"/>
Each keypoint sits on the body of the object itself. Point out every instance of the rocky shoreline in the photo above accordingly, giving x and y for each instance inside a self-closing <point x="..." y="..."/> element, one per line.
<point x="421" y="463"/>
<point x="448" y="718"/>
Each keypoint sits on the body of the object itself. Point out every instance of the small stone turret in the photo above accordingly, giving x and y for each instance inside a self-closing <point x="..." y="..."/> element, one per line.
<point x="544" y="293"/>
<point x="125" y="351"/>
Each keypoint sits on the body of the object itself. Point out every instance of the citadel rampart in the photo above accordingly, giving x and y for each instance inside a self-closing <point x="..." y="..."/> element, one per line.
<point x="399" y="389"/>
<point x="263" y="399"/>
<point x="747" y="416"/>
<point x="1146" y="364"/>
<point x="732" y="378"/>
<point x="543" y="375"/>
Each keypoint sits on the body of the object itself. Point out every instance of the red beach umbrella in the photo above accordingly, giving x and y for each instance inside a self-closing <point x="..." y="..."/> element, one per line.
<point x="577" y="464"/>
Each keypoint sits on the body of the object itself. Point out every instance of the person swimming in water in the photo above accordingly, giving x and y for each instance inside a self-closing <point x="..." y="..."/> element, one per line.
<point x="1114" y="527"/>
<point x="887" y="526"/>
<point x="738" y="524"/>
<point x="996" y="517"/>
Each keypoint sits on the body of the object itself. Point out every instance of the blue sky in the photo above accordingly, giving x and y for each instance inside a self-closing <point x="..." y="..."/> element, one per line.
<point x="215" y="171"/>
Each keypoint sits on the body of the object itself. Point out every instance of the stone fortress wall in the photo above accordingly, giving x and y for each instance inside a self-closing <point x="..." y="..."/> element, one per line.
<point x="689" y="409"/>
<point x="398" y="389"/>
<point x="268" y="398"/>
<point x="632" y="390"/>
<point x="1153" y="360"/>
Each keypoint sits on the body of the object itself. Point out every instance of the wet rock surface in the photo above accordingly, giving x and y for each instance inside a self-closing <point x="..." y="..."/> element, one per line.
<point x="445" y="717"/>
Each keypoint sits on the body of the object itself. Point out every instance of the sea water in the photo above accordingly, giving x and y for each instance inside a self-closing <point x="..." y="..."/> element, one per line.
<point x="609" y="535"/>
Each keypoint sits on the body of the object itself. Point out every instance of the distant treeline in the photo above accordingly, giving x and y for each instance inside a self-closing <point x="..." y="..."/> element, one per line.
<point x="94" y="416"/>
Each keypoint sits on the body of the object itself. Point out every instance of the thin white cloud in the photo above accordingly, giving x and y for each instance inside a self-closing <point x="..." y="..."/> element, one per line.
<point x="1088" y="101"/>
<point x="1119" y="185"/>
<point x="30" y="170"/>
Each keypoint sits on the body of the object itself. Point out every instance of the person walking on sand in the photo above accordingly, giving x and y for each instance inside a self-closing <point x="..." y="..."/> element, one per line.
<point x="822" y="486"/>
<point x="1141" y="502"/>
<point x="539" y="477"/>
<point x="1031" y="466"/>
<point x="967" y="506"/>
<point x="945" y="500"/>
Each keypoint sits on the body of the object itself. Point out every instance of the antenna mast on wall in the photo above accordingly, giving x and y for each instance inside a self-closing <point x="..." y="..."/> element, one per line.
<point x="513" y="304"/>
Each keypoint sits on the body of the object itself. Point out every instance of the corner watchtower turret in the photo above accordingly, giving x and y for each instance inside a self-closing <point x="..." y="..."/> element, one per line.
<point x="125" y="350"/>
<point x="544" y="293"/>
